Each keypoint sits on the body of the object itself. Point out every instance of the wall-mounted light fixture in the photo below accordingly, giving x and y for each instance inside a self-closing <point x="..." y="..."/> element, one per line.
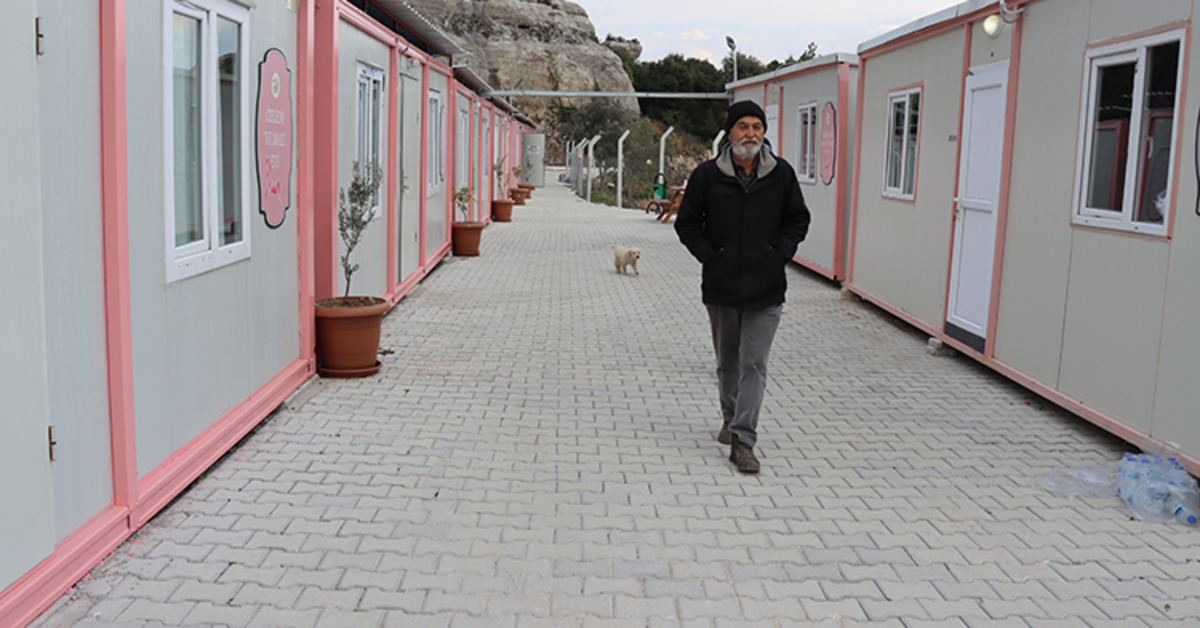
<point x="992" y="25"/>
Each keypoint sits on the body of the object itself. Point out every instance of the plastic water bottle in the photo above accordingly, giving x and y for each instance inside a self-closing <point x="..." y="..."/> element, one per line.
<point x="1146" y="491"/>
<point x="1127" y="471"/>
<point x="1149" y="500"/>
<point x="1180" y="511"/>
<point x="1179" y="484"/>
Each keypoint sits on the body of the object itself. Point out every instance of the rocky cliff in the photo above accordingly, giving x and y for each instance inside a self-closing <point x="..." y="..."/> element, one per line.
<point x="542" y="44"/>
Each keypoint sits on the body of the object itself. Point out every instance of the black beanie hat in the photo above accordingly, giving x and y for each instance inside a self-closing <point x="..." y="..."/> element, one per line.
<point x="741" y="109"/>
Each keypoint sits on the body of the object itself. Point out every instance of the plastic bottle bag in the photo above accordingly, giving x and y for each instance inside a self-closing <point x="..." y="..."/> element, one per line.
<point x="1157" y="488"/>
<point x="1073" y="483"/>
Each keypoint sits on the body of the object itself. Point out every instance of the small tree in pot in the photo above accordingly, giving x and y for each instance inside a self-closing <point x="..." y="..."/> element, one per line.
<point x="348" y="328"/>
<point x="465" y="233"/>
<point x="520" y="192"/>
<point x="356" y="211"/>
<point x="501" y="207"/>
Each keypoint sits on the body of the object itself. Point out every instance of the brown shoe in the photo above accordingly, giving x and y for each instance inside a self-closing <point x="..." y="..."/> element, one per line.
<point x="742" y="456"/>
<point x="725" y="437"/>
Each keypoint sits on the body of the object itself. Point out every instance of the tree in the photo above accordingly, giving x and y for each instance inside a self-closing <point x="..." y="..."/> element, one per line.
<point x="674" y="73"/>
<point x="600" y="116"/>
<point x="749" y="66"/>
<point x="809" y="54"/>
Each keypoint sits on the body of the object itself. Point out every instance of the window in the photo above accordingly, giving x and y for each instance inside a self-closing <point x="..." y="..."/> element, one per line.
<point x="462" y="150"/>
<point x="206" y="97"/>
<point x="806" y="143"/>
<point x="1127" y="151"/>
<point x="369" y="134"/>
<point x="904" y="126"/>
<point x="435" y="171"/>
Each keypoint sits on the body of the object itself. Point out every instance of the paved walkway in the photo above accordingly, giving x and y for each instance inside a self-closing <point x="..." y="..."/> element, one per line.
<point x="539" y="451"/>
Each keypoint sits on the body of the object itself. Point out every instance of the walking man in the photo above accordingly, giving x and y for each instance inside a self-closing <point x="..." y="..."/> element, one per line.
<point x="743" y="216"/>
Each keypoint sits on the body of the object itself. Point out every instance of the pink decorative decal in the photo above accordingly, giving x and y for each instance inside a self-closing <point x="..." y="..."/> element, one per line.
<point x="273" y="138"/>
<point x="828" y="142"/>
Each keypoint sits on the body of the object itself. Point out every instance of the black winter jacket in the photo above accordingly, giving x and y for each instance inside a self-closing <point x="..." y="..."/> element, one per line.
<point x="744" y="237"/>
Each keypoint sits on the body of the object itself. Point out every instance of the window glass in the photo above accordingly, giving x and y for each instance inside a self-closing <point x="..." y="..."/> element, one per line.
<point x="434" y="168"/>
<point x="910" y="142"/>
<point x="1114" y="108"/>
<point x="229" y="124"/>
<point x="189" y="210"/>
<point x="369" y="136"/>
<point x="1159" y="114"/>
<point x="896" y="145"/>
<point x="806" y="158"/>
<point x="462" y="131"/>
<point x="904" y="128"/>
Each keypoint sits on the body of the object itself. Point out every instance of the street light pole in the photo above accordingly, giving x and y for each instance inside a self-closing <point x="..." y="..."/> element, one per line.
<point x="733" y="50"/>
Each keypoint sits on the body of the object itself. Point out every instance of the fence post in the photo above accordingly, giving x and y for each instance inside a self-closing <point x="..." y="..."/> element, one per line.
<point x="577" y="169"/>
<point x="591" y="158"/>
<point x="717" y="143"/>
<point x="662" y="150"/>
<point x="621" y="165"/>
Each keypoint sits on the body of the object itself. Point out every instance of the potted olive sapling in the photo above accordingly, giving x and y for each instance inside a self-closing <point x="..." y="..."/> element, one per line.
<point x="465" y="233"/>
<point x="501" y="207"/>
<point x="348" y="327"/>
<point x="520" y="192"/>
<point x="527" y="187"/>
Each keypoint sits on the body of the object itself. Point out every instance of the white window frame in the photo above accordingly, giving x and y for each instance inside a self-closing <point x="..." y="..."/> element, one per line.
<point x="462" y="150"/>
<point x="207" y="254"/>
<point x="899" y="192"/>
<point x="435" y="174"/>
<point x="1114" y="54"/>
<point x="806" y="141"/>
<point x="369" y="132"/>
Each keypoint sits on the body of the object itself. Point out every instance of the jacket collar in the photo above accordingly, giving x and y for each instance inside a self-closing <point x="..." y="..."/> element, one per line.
<point x="726" y="164"/>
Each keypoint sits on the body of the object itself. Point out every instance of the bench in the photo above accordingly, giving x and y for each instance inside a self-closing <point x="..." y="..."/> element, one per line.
<point x="666" y="208"/>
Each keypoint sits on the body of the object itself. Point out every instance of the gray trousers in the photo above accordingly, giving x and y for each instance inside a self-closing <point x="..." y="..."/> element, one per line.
<point x="742" y="340"/>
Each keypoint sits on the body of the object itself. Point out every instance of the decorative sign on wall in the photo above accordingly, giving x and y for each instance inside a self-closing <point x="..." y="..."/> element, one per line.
<point x="273" y="138"/>
<point x="828" y="142"/>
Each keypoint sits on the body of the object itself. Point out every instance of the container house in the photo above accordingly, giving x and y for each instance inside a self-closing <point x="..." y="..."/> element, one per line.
<point x="1025" y="191"/>
<point x="810" y="113"/>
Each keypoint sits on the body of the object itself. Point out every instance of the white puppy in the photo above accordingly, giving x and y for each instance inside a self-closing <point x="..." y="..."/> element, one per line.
<point x="625" y="256"/>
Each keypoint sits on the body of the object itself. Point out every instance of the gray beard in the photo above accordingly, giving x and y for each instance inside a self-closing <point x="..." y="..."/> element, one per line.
<point x="746" y="151"/>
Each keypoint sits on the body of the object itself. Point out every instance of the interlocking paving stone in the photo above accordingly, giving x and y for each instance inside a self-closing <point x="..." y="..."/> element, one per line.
<point x="539" y="451"/>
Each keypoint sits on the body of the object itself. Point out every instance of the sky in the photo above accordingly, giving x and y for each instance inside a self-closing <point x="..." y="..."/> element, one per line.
<point x="772" y="29"/>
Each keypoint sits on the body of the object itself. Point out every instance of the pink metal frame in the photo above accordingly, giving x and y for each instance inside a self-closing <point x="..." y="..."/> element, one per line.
<point x="843" y="143"/>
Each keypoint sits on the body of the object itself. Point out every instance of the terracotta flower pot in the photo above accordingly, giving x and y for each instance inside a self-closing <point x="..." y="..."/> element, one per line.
<point x="465" y="236"/>
<point x="502" y="210"/>
<point x="347" y="331"/>
<point x="517" y="195"/>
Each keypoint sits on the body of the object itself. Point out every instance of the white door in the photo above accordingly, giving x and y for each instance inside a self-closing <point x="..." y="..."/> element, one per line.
<point x="408" y="257"/>
<point x="982" y="146"/>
